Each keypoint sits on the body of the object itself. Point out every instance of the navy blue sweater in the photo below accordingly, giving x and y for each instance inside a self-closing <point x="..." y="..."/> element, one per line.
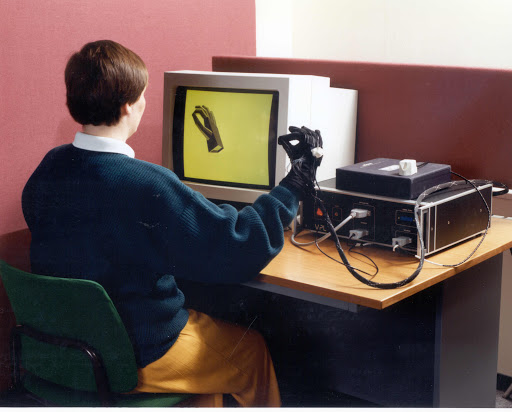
<point x="132" y="226"/>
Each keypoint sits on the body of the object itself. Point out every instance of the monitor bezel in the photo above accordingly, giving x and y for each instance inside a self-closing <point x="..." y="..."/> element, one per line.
<point x="178" y="135"/>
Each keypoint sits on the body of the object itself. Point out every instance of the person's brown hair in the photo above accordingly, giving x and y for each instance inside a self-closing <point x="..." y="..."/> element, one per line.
<point x="100" y="79"/>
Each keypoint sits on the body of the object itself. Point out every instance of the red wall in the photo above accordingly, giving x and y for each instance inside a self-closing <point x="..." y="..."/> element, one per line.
<point x="36" y="39"/>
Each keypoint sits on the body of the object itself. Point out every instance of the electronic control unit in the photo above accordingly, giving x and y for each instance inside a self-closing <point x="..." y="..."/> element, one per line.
<point x="447" y="217"/>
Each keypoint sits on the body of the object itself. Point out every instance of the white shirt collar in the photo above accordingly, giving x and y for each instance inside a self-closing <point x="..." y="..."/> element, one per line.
<point x="102" y="144"/>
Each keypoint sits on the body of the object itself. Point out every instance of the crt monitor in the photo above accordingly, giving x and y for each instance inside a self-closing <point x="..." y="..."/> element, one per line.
<point x="220" y="129"/>
<point x="225" y="136"/>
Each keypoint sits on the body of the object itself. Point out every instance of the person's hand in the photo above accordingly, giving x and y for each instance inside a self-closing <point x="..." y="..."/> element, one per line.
<point x="304" y="147"/>
<point x="208" y="126"/>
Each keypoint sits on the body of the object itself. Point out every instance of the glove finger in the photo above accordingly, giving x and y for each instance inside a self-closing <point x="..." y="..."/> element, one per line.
<point x="306" y="130"/>
<point x="314" y="138"/>
<point x="319" y="138"/>
<point x="294" y="129"/>
<point x="310" y="138"/>
<point x="288" y="138"/>
<point x="293" y="151"/>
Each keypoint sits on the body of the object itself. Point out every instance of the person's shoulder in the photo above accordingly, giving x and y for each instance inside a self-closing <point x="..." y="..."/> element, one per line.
<point x="57" y="152"/>
<point x="147" y="173"/>
<point x="147" y="167"/>
<point x="62" y="149"/>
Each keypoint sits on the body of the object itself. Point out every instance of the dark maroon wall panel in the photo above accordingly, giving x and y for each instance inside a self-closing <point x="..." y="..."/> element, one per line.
<point x="457" y="116"/>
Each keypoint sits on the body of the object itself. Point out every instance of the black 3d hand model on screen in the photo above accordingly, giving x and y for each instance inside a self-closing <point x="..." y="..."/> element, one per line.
<point x="208" y="126"/>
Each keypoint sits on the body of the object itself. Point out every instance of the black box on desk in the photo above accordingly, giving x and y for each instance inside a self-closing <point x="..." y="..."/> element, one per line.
<point x="381" y="177"/>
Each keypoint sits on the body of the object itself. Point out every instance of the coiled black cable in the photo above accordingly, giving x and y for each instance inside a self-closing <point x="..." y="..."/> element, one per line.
<point x="362" y="279"/>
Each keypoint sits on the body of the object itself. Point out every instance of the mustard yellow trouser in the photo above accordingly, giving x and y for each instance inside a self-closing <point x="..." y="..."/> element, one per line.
<point x="211" y="356"/>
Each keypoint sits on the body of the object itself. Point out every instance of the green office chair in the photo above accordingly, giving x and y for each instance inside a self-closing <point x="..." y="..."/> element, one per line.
<point x="71" y="343"/>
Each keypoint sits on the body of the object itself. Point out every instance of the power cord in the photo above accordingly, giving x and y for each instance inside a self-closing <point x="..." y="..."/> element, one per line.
<point x="328" y="235"/>
<point x="504" y="189"/>
<point x="354" y="268"/>
<point x="354" y="214"/>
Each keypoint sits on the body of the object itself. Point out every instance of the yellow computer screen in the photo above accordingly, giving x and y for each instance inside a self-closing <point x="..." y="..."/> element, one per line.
<point x="227" y="136"/>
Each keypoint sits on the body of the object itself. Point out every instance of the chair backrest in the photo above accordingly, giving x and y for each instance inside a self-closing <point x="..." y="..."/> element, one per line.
<point x="71" y="308"/>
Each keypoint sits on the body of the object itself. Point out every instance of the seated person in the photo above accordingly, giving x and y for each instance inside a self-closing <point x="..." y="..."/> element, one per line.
<point x="96" y="212"/>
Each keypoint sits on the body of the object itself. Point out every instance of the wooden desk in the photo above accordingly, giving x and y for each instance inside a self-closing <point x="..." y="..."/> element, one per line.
<point x="306" y="270"/>
<point x="432" y="342"/>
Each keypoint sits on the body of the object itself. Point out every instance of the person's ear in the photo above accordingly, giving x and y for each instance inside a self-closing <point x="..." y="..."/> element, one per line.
<point x="126" y="109"/>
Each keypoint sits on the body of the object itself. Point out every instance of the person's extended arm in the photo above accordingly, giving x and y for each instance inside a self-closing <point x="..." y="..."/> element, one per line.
<point x="218" y="243"/>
